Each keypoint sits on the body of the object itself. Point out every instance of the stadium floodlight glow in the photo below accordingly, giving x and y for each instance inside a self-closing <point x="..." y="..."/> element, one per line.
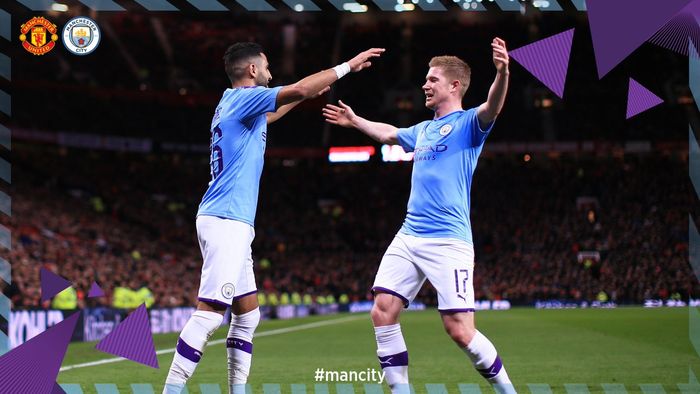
<point x="355" y="7"/>
<point x="59" y="7"/>
<point x="404" y="7"/>
<point x="350" y="154"/>
<point x="393" y="153"/>
<point x="298" y="7"/>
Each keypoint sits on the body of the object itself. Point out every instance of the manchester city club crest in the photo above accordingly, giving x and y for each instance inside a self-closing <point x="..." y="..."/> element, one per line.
<point x="81" y="35"/>
<point x="227" y="290"/>
<point x="444" y="130"/>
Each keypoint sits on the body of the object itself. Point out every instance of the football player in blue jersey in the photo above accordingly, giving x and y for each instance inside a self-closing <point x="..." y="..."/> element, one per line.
<point x="227" y="211"/>
<point x="435" y="241"/>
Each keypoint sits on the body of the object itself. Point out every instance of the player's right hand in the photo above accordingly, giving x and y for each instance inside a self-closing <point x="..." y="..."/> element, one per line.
<point x="341" y="116"/>
<point x="361" y="61"/>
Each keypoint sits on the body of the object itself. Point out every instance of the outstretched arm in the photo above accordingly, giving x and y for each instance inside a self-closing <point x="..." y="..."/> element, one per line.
<point x="311" y="85"/>
<point x="281" y="111"/>
<point x="344" y="116"/>
<point x="489" y="110"/>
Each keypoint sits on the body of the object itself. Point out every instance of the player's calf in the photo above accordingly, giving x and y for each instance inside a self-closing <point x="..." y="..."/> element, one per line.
<point x="239" y="347"/>
<point x="391" y="347"/>
<point x="190" y="347"/>
<point x="393" y="357"/>
<point x="461" y="334"/>
<point x="483" y="355"/>
<point x="485" y="359"/>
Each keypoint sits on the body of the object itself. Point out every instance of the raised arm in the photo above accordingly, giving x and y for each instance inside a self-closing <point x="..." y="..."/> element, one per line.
<point x="311" y="85"/>
<point x="344" y="116"/>
<point x="281" y="111"/>
<point x="489" y="110"/>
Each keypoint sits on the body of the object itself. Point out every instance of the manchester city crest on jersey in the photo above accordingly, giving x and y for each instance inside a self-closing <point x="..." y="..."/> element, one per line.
<point x="81" y="35"/>
<point x="446" y="129"/>
<point x="227" y="290"/>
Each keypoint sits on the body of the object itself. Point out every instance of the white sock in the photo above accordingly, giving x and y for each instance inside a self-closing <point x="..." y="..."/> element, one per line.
<point x="393" y="357"/>
<point x="483" y="355"/>
<point x="239" y="346"/>
<point x="190" y="346"/>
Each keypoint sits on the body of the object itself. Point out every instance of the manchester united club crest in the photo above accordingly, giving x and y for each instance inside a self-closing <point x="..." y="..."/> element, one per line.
<point x="81" y="35"/>
<point x="38" y="36"/>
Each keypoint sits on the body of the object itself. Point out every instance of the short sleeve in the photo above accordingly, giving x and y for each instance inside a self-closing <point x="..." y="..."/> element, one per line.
<point x="255" y="101"/>
<point x="408" y="136"/>
<point x="476" y="133"/>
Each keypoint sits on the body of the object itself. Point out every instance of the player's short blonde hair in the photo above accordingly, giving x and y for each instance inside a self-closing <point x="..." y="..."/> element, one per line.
<point x="455" y="69"/>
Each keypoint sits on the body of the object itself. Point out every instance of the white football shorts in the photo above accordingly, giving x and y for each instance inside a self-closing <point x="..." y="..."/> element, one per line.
<point x="447" y="263"/>
<point x="227" y="272"/>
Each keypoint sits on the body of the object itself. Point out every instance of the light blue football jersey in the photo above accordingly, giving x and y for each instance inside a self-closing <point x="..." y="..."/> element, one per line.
<point x="445" y="150"/>
<point x="237" y="149"/>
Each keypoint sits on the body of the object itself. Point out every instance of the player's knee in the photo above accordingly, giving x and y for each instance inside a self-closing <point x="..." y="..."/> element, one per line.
<point x="207" y="322"/>
<point x="246" y="322"/>
<point x="460" y="333"/>
<point x="377" y="315"/>
<point x="385" y="310"/>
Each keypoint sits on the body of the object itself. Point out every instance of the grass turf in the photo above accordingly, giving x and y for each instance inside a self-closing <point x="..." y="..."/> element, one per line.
<point x="629" y="346"/>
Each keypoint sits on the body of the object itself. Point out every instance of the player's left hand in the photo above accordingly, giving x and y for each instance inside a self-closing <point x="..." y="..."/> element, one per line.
<point x="500" y="55"/>
<point x="341" y="115"/>
<point x="362" y="60"/>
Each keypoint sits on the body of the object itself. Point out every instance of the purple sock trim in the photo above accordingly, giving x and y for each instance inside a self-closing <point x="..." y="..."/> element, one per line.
<point x="240" y="344"/>
<point x="188" y="351"/>
<point x="243" y="295"/>
<point x="493" y="370"/>
<point x="457" y="310"/>
<point x="394" y="360"/>
<point x="214" y="301"/>
<point x="376" y="289"/>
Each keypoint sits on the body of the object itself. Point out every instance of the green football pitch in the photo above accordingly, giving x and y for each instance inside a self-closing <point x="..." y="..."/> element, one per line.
<point x="632" y="350"/>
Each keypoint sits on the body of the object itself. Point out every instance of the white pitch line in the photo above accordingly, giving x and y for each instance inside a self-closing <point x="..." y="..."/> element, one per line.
<point x="219" y="341"/>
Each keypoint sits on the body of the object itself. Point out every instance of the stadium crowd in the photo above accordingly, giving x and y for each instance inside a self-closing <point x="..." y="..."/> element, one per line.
<point x="128" y="220"/>
<point x="144" y="68"/>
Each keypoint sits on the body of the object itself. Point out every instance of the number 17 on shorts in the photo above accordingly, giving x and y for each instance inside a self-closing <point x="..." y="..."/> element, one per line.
<point x="461" y="291"/>
<point x="459" y="295"/>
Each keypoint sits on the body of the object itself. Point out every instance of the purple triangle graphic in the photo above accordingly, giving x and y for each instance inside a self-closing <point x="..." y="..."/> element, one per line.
<point x="547" y="59"/>
<point x="612" y="42"/>
<point x="674" y="35"/>
<point x="640" y="99"/>
<point x="57" y="389"/>
<point x="95" y="291"/>
<point x="51" y="284"/>
<point x="33" y="366"/>
<point x="132" y="339"/>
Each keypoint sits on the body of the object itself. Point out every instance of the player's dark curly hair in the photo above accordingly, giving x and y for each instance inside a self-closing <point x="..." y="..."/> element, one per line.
<point x="237" y="58"/>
